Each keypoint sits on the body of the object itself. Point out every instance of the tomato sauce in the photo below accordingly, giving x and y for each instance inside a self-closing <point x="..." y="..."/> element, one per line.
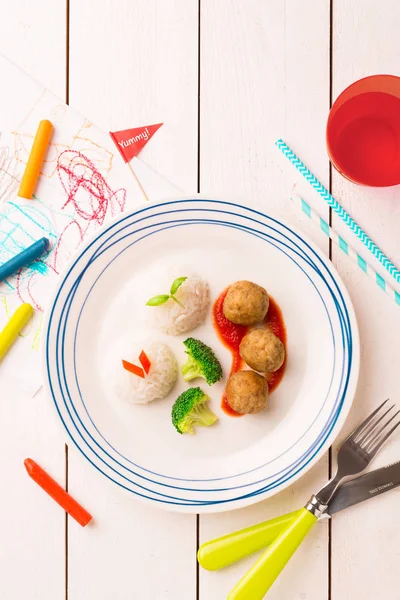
<point x="274" y="321"/>
<point x="231" y="335"/>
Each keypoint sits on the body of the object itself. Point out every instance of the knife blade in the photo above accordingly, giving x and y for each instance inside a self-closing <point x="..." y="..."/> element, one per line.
<point x="365" y="486"/>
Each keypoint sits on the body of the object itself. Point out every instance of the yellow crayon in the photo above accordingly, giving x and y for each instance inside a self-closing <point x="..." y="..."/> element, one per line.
<point x="14" y="326"/>
<point x="35" y="160"/>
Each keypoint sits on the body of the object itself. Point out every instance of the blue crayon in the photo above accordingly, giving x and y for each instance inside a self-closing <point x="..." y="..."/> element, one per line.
<point x="24" y="258"/>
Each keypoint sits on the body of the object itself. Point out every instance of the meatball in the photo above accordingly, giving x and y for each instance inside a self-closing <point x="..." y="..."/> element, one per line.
<point x="246" y="303"/>
<point x="262" y="350"/>
<point x="247" y="392"/>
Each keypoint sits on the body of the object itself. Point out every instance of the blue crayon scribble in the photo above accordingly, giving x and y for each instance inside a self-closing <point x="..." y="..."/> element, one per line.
<point x="20" y="226"/>
<point x="30" y="213"/>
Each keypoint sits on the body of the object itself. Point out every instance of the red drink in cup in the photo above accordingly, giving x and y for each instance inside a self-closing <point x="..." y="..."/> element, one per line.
<point x="363" y="131"/>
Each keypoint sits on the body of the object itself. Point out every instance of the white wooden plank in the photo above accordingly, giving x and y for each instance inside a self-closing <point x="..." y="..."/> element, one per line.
<point x="32" y="550"/>
<point x="138" y="65"/>
<point x="265" y="75"/>
<point x="365" y="540"/>
<point x="32" y="525"/>
<point x="33" y="36"/>
<point x="131" y="550"/>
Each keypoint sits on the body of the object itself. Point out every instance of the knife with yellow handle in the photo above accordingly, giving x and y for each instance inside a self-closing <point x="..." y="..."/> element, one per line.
<point x="353" y="457"/>
<point x="230" y="548"/>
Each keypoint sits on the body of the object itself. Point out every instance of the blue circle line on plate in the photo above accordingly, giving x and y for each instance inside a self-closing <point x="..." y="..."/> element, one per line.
<point x="114" y="470"/>
<point x="335" y="282"/>
<point x="79" y="390"/>
<point x="62" y="345"/>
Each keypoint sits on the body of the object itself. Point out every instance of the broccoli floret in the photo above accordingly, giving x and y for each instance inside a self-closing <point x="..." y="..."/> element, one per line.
<point x="191" y="410"/>
<point x="201" y="362"/>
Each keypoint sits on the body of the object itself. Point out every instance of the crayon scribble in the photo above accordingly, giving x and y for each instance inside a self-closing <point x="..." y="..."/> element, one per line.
<point x="22" y="224"/>
<point x="86" y="189"/>
<point x="88" y="195"/>
<point x="9" y="178"/>
<point x="79" y="140"/>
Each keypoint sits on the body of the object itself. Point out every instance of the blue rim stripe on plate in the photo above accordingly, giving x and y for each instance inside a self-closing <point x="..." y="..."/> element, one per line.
<point x="347" y="326"/>
<point x="62" y="345"/>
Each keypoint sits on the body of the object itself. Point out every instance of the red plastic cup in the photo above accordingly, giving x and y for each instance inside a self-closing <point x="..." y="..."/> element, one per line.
<point x="363" y="131"/>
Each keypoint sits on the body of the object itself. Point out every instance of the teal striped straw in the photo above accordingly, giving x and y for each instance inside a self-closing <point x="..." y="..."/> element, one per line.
<point x="343" y="214"/>
<point x="345" y="247"/>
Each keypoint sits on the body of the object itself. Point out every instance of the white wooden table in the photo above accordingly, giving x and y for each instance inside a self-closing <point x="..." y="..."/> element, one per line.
<point x="227" y="77"/>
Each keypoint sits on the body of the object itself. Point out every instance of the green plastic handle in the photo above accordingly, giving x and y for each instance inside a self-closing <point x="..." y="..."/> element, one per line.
<point x="224" y="551"/>
<point x="257" y="581"/>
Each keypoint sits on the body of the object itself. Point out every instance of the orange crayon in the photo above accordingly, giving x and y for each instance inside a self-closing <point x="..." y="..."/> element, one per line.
<point x="49" y="485"/>
<point x="35" y="160"/>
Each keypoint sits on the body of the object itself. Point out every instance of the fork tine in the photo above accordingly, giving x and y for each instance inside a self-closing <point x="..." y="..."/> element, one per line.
<point x="366" y="422"/>
<point x="376" y="433"/>
<point x="379" y="443"/>
<point x="370" y="430"/>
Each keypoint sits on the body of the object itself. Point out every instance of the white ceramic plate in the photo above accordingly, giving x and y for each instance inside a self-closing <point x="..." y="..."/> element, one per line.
<point x="238" y="461"/>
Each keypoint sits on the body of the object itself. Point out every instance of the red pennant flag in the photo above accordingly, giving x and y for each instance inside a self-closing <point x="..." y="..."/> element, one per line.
<point x="130" y="141"/>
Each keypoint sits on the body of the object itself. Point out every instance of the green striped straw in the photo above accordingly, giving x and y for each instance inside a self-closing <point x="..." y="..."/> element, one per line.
<point x="343" y="214"/>
<point x="345" y="247"/>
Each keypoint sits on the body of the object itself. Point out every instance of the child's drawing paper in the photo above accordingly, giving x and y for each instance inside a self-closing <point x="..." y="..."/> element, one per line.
<point x="83" y="184"/>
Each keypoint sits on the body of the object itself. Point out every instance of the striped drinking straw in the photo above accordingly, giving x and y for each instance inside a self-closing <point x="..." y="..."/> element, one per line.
<point x="345" y="247"/>
<point x="343" y="214"/>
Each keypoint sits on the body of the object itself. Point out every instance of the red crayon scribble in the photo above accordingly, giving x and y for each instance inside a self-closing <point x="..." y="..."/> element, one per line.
<point x="89" y="194"/>
<point x="25" y="294"/>
<point x="86" y="188"/>
<point x="75" y="235"/>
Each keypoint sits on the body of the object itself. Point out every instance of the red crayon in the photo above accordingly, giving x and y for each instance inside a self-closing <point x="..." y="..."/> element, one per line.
<point x="49" y="485"/>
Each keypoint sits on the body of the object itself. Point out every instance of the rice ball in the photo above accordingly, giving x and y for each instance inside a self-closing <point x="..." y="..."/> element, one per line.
<point x="128" y="387"/>
<point x="173" y="318"/>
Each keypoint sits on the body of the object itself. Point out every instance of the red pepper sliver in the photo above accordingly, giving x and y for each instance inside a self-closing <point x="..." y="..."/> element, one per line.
<point x="133" y="369"/>
<point x="144" y="361"/>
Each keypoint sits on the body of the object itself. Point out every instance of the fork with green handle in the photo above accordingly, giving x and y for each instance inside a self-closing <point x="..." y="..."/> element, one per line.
<point x="284" y="534"/>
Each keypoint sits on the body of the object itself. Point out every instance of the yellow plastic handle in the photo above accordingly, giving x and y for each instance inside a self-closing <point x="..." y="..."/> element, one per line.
<point x="258" y="580"/>
<point x="225" y="550"/>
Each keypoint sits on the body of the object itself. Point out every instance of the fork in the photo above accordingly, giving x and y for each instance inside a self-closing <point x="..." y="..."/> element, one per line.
<point x="354" y="456"/>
